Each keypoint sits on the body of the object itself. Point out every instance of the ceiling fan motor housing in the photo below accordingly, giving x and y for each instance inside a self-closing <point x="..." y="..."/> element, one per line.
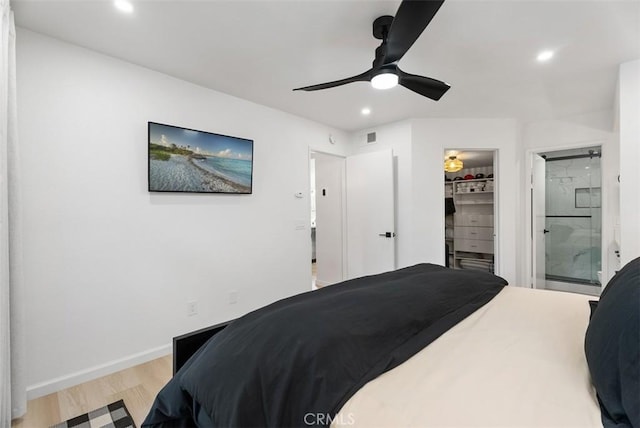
<point x="381" y="26"/>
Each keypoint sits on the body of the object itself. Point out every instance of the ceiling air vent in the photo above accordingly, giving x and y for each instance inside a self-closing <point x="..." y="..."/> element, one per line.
<point x="371" y="137"/>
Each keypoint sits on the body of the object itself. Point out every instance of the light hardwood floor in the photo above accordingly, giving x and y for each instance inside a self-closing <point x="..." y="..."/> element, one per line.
<point x="137" y="386"/>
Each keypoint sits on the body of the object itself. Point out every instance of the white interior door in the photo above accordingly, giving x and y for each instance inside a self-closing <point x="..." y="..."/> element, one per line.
<point x="370" y="214"/>
<point x="538" y="219"/>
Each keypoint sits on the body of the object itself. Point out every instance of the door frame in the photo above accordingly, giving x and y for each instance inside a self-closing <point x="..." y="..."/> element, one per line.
<point x="497" y="260"/>
<point x="343" y="189"/>
<point x="606" y="218"/>
<point x="534" y="229"/>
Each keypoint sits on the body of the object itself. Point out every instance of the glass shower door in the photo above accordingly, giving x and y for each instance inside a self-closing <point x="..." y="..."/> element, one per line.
<point x="573" y="216"/>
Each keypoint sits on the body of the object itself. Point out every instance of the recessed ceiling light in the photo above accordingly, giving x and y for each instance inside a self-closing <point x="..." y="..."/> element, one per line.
<point x="124" y="6"/>
<point x="545" y="56"/>
<point x="366" y="111"/>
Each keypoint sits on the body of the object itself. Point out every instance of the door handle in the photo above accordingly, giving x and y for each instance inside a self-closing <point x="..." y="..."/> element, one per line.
<point x="545" y="231"/>
<point x="387" y="234"/>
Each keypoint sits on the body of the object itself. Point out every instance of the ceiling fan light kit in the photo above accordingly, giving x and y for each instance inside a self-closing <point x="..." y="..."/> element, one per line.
<point x="398" y="34"/>
<point x="386" y="79"/>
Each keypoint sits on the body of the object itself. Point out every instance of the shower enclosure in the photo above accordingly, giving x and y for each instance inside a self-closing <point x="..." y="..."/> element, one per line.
<point x="573" y="216"/>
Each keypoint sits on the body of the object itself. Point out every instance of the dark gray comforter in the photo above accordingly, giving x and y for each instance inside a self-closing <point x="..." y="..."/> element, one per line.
<point x="296" y="362"/>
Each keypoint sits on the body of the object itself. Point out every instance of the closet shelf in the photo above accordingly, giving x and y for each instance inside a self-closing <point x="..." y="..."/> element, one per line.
<point x="474" y="202"/>
<point x="474" y="193"/>
<point x="475" y="258"/>
<point x="469" y="181"/>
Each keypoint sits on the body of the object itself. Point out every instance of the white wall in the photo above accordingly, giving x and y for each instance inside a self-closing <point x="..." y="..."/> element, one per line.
<point x="109" y="266"/>
<point x="573" y="133"/>
<point x="629" y="117"/>
<point x="430" y="139"/>
<point x="419" y="146"/>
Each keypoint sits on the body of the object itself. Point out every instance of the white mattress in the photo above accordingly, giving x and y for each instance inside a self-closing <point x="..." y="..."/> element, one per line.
<point x="516" y="362"/>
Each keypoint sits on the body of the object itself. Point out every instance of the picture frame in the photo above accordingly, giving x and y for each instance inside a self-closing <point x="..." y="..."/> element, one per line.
<point x="185" y="160"/>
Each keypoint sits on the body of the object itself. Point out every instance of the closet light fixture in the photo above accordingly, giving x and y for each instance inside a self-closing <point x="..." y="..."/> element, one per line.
<point x="453" y="164"/>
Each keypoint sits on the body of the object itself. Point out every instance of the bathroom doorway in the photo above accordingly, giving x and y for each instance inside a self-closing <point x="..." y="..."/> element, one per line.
<point x="571" y="231"/>
<point x="327" y="178"/>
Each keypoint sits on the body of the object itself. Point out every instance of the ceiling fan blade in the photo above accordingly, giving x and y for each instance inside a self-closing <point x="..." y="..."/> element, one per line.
<point x="412" y="18"/>
<point x="430" y="88"/>
<point x="364" y="77"/>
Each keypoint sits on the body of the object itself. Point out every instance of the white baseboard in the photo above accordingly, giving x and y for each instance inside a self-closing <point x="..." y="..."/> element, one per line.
<point x="62" y="382"/>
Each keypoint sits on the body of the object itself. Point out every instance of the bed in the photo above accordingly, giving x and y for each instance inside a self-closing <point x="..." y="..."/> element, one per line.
<point x="424" y="346"/>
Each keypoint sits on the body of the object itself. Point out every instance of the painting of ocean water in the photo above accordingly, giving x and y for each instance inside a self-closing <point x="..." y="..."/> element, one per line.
<point x="185" y="160"/>
<point x="237" y="170"/>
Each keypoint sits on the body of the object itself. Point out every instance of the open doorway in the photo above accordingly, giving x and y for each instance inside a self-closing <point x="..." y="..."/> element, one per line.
<point x="353" y="215"/>
<point x="470" y="208"/>
<point x="567" y="220"/>
<point x="327" y="193"/>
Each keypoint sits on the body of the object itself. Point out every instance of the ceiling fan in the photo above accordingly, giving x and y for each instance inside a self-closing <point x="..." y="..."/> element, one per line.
<point x="398" y="35"/>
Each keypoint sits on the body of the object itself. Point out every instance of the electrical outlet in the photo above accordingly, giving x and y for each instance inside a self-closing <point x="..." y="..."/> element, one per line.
<point x="192" y="308"/>
<point x="233" y="297"/>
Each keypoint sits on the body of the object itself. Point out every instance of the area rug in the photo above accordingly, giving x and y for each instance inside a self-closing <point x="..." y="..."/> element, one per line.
<point x="115" y="415"/>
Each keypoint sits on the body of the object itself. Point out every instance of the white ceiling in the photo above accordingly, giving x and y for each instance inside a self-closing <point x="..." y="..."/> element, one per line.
<point x="261" y="50"/>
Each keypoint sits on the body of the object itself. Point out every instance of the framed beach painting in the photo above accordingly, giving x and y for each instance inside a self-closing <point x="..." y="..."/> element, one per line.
<point x="186" y="160"/>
